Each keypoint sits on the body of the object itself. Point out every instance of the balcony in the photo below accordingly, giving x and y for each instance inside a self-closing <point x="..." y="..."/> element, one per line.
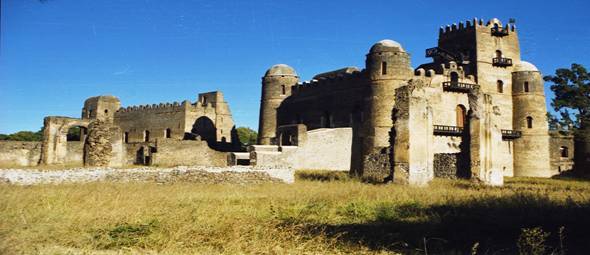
<point x="502" y="62"/>
<point x="454" y="86"/>
<point x="510" y="134"/>
<point x="448" y="130"/>
<point x="499" y="31"/>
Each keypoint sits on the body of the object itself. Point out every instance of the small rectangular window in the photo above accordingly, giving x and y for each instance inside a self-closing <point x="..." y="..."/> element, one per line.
<point x="384" y="68"/>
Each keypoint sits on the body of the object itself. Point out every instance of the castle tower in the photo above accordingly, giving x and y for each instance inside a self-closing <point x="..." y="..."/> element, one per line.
<point x="101" y="107"/>
<point x="388" y="68"/>
<point x="276" y="86"/>
<point x="531" y="150"/>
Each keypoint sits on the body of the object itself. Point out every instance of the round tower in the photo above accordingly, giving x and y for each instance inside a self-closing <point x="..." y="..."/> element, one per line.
<point x="101" y="107"/>
<point x="276" y="86"/>
<point x="388" y="68"/>
<point x="531" y="150"/>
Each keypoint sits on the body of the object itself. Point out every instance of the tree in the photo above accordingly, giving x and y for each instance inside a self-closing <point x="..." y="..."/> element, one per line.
<point x="572" y="94"/>
<point x="572" y="98"/>
<point x="247" y="136"/>
<point x="23" y="136"/>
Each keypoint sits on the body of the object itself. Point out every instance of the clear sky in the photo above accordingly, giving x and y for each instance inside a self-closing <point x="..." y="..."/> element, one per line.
<point x="56" y="53"/>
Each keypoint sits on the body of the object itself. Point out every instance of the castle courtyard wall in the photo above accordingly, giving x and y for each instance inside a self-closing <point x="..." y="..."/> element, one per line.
<point x="16" y="153"/>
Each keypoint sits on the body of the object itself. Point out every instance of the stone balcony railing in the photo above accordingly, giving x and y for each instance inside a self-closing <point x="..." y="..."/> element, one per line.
<point x="503" y="62"/>
<point x="510" y="134"/>
<point x="458" y="86"/>
<point x="448" y="130"/>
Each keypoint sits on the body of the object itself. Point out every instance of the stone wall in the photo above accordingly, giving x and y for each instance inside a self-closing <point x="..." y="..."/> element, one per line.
<point x="14" y="153"/>
<point x="321" y="149"/>
<point x="75" y="154"/>
<point x="187" y="153"/>
<point x="559" y="142"/>
<point x="446" y="165"/>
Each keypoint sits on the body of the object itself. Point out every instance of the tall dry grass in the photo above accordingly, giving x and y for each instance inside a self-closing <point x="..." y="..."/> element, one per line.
<point x="308" y="217"/>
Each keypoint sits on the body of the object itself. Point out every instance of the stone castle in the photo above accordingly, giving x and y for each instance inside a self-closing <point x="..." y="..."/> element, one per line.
<point x="476" y="111"/>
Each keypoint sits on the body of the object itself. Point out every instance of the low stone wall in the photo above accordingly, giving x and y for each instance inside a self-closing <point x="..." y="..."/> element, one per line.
<point x="186" y="153"/>
<point x="75" y="155"/>
<point x="322" y="149"/>
<point x="446" y="165"/>
<point x="14" y="153"/>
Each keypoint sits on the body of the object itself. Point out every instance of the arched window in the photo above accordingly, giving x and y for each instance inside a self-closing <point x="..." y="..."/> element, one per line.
<point x="498" y="54"/>
<point x="383" y="68"/>
<point x="126" y="137"/>
<point x="327" y="120"/>
<point x="283" y="89"/>
<point x="460" y="113"/>
<point x="500" y="86"/>
<point x="454" y="77"/>
<point x="526" y="86"/>
<point x="564" y="152"/>
<point x="146" y="136"/>
<point x="168" y="133"/>
<point x="529" y="122"/>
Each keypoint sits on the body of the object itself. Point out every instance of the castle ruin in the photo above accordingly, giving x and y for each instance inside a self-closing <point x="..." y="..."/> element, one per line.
<point x="476" y="111"/>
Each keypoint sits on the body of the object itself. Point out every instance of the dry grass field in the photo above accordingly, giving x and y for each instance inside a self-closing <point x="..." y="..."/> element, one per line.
<point x="319" y="214"/>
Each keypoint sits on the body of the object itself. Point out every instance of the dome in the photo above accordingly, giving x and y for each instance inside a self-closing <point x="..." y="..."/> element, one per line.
<point x="280" y="69"/>
<point x="526" y="67"/>
<point x="385" y="45"/>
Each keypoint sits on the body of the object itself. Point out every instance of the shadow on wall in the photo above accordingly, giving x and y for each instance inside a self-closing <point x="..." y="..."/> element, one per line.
<point x="454" y="228"/>
<point x="204" y="129"/>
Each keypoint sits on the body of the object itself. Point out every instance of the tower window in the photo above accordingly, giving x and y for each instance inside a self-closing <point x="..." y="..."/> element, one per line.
<point x="126" y="137"/>
<point x="168" y="133"/>
<point x="529" y="122"/>
<point x="460" y="112"/>
<point x="564" y="152"/>
<point x="498" y="54"/>
<point x="283" y="89"/>
<point x="454" y="77"/>
<point x="383" y="68"/>
<point x="526" y="86"/>
<point x="146" y="136"/>
<point x="106" y="111"/>
<point x="500" y="86"/>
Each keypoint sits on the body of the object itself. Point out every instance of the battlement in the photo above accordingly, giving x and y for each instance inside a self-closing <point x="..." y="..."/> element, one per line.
<point x="166" y="107"/>
<point x="469" y="25"/>
<point x="343" y="80"/>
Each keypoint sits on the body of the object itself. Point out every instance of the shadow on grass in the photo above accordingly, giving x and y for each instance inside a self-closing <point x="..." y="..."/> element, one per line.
<point x="494" y="223"/>
<point x="324" y="176"/>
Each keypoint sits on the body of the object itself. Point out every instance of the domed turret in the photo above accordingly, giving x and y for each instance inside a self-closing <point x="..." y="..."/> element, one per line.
<point x="280" y="70"/>
<point x="388" y="68"/>
<point x="276" y="86"/>
<point x="529" y="117"/>
<point x="387" y="59"/>
<point x="386" y="45"/>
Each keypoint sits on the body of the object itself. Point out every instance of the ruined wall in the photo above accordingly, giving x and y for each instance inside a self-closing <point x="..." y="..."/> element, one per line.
<point x="14" y="153"/>
<point x="153" y="118"/>
<point x="75" y="155"/>
<point x="326" y="103"/>
<point x="187" y="153"/>
<point x="446" y="165"/>
<point x="558" y="143"/>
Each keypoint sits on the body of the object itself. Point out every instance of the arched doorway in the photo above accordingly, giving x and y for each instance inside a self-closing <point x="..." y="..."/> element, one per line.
<point x="461" y="114"/>
<point x="204" y="128"/>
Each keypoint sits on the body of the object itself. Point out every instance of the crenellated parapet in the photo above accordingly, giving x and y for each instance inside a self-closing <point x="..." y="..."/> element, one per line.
<point x="342" y="81"/>
<point x="476" y="23"/>
<point x="166" y="107"/>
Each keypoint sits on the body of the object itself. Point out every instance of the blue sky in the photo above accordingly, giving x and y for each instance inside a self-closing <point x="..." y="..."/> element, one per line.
<point x="56" y="53"/>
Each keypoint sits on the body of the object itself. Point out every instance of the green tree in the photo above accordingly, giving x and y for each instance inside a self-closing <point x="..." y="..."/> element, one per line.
<point x="572" y="94"/>
<point x="23" y="136"/>
<point x="247" y="136"/>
